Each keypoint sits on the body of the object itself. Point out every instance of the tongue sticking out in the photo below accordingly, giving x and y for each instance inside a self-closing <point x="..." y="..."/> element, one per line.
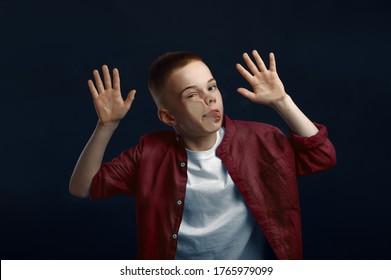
<point x="214" y="114"/>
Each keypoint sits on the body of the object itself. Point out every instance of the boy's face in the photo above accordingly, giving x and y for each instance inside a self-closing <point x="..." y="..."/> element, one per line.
<point x="193" y="101"/>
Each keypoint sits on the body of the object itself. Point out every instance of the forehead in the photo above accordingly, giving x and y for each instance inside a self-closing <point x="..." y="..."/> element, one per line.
<point x="193" y="74"/>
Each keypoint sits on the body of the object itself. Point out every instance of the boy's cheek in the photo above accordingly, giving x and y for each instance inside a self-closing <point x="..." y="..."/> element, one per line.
<point x="195" y="108"/>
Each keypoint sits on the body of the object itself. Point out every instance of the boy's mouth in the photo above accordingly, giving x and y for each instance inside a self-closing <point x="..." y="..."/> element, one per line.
<point x="215" y="114"/>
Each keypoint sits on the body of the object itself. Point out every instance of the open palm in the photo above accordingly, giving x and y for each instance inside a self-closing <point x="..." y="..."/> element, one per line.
<point x="267" y="86"/>
<point x="108" y="101"/>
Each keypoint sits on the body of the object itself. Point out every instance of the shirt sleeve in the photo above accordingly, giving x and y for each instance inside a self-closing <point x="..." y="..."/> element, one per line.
<point x="117" y="176"/>
<point x="313" y="154"/>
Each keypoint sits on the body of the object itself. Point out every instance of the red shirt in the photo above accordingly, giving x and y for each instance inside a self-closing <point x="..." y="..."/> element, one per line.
<point x="261" y="161"/>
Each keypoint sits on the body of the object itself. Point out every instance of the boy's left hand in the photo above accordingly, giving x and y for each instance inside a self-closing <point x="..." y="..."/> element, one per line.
<point x="267" y="86"/>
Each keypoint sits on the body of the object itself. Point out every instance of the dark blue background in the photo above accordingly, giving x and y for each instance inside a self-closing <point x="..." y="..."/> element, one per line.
<point x="333" y="57"/>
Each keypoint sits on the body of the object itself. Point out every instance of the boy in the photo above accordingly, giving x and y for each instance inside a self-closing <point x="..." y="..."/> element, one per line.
<point x="215" y="188"/>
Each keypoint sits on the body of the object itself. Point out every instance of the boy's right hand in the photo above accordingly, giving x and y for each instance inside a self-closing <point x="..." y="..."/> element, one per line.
<point x="108" y="101"/>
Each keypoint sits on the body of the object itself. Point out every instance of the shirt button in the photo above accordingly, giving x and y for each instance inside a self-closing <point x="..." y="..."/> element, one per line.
<point x="179" y="202"/>
<point x="174" y="236"/>
<point x="183" y="164"/>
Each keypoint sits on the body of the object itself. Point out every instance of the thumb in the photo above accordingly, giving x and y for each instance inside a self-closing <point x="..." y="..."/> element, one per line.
<point x="129" y="99"/>
<point x="246" y="93"/>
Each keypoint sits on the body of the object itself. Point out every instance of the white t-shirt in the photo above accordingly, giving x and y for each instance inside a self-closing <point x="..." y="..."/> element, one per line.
<point x="216" y="223"/>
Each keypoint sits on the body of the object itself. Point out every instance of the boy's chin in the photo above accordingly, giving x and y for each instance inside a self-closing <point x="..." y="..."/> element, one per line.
<point x="208" y="130"/>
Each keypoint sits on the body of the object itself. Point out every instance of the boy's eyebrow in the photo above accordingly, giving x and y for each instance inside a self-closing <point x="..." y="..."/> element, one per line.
<point x="210" y="80"/>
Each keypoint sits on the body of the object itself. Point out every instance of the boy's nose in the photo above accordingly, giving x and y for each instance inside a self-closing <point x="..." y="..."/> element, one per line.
<point x="209" y="99"/>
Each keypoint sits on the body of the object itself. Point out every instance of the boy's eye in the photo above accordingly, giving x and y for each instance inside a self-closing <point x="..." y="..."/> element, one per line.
<point x="192" y="95"/>
<point x="212" y="87"/>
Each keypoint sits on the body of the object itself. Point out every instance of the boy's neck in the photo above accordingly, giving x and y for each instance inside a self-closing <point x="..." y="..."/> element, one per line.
<point x="202" y="143"/>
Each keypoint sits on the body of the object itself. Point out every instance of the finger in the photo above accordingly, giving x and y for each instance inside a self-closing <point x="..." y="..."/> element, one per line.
<point x="245" y="74"/>
<point x="116" y="83"/>
<point x="259" y="61"/>
<point x="250" y="64"/>
<point x="272" y="60"/>
<point x="92" y="88"/>
<point x="246" y="93"/>
<point x="129" y="99"/>
<point x="106" y="77"/>
<point x="98" y="81"/>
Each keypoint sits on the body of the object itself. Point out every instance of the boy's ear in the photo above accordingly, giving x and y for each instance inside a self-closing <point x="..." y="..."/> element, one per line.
<point x="165" y="117"/>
